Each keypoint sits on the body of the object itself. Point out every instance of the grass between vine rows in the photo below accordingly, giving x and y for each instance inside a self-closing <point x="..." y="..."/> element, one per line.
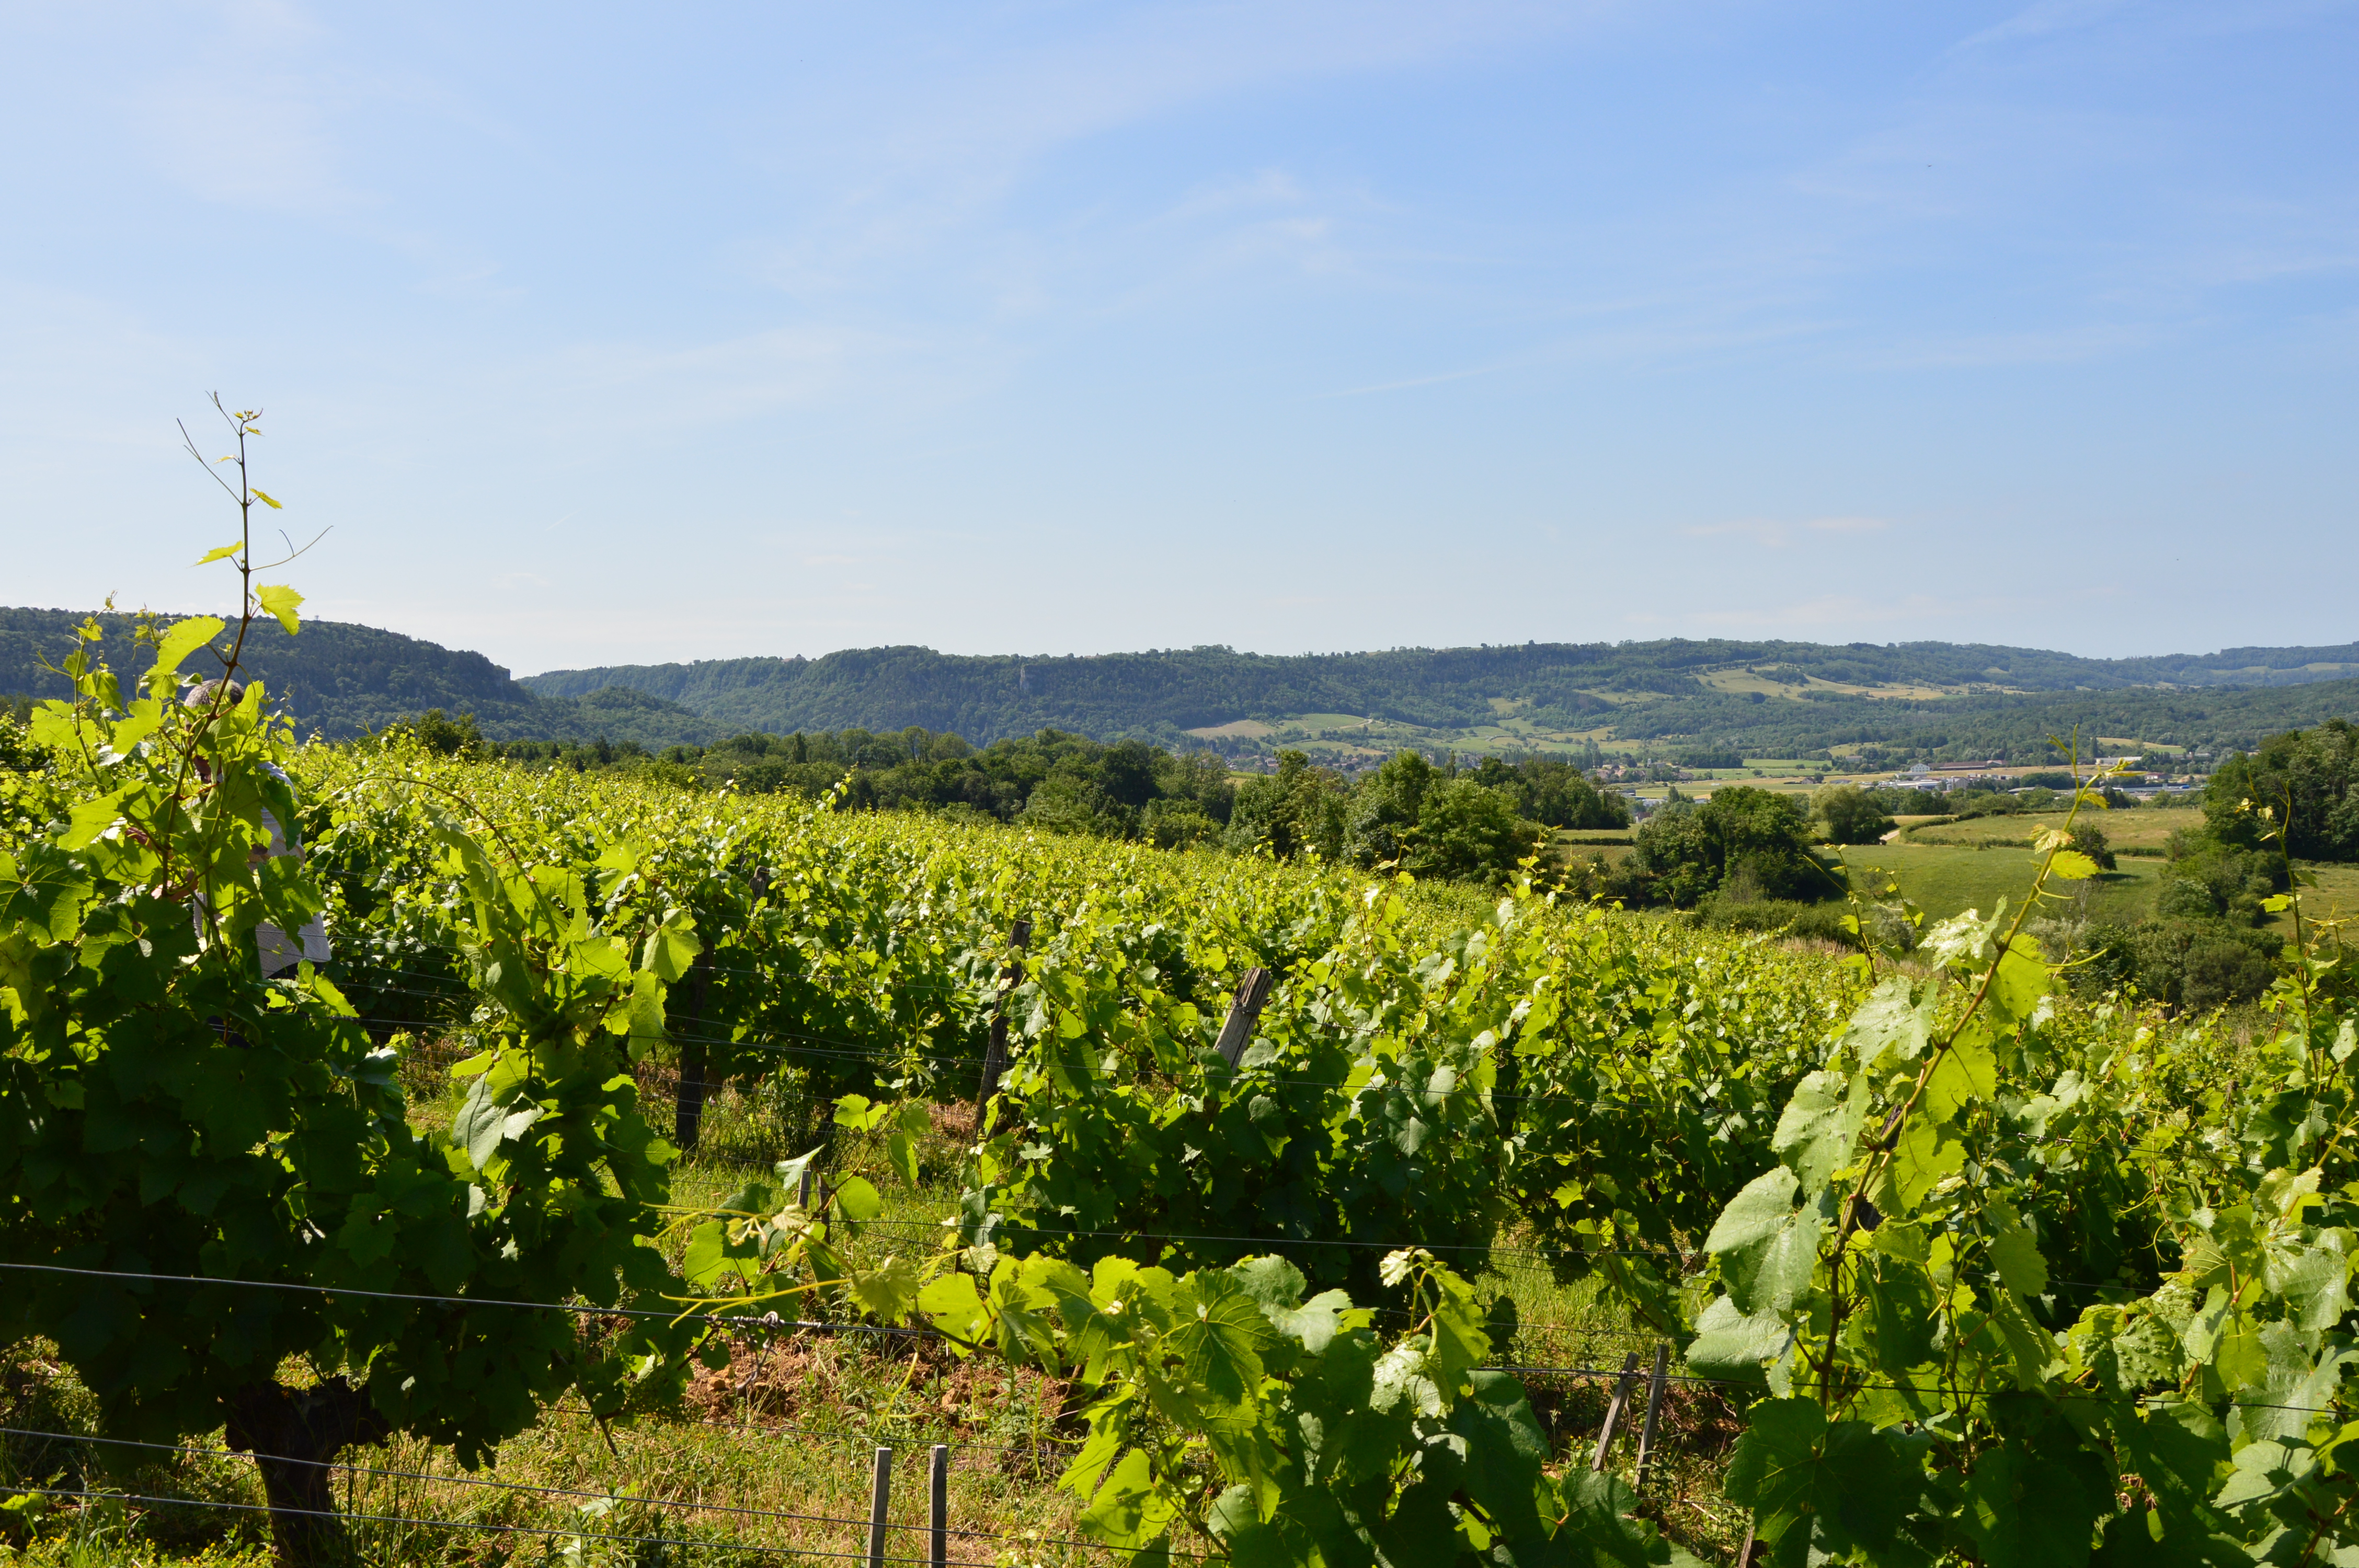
<point x="790" y="1428"/>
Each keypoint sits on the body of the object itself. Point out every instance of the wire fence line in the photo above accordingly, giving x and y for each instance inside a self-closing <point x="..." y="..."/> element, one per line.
<point x="878" y="1523"/>
<point x="771" y="1322"/>
<point x="716" y="1315"/>
<point x="683" y="1505"/>
<point x="768" y="1322"/>
<point x="754" y="1518"/>
<point x="489" y="1527"/>
<point x="1490" y="1251"/>
<point x="906" y="1443"/>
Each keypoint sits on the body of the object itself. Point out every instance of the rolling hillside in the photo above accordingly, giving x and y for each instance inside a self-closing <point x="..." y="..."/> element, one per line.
<point x="344" y="680"/>
<point x="1764" y="699"/>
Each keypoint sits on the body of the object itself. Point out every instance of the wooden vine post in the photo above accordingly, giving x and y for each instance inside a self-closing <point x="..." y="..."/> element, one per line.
<point x="688" y="1116"/>
<point x="880" y="1497"/>
<point x="939" y="1522"/>
<point x="1614" y="1408"/>
<point x="994" y="1055"/>
<point x="1245" y="1011"/>
<point x="1653" y="1410"/>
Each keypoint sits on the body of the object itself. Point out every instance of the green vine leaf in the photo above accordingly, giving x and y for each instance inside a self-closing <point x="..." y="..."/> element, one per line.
<point x="280" y="599"/>
<point x="1766" y="1248"/>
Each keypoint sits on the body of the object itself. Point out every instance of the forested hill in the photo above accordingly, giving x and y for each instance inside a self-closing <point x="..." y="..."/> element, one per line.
<point x="1188" y="688"/>
<point x="1641" y="689"/>
<point x="343" y="679"/>
<point x="1768" y="698"/>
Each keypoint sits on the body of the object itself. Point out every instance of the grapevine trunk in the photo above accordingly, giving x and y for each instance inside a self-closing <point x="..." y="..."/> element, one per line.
<point x="295" y="1435"/>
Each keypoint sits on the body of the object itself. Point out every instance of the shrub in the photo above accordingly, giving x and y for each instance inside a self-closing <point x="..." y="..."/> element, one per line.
<point x="2217" y="971"/>
<point x="2090" y="840"/>
<point x="1814" y="922"/>
<point x="2207" y="879"/>
<point x="2187" y="964"/>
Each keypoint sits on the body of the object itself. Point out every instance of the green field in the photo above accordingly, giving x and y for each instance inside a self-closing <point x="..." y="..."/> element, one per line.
<point x="1945" y="867"/>
<point x="2335" y="897"/>
<point x="2142" y="828"/>
<point x="1944" y="880"/>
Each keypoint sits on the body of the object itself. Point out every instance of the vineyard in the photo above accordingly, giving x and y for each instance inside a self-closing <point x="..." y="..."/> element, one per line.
<point x="1280" y="1217"/>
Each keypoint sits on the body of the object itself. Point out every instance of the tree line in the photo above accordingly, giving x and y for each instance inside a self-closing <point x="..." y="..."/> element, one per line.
<point x="2293" y="800"/>
<point x="1445" y="819"/>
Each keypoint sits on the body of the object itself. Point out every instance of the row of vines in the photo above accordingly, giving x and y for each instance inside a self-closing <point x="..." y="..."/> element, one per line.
<point x="2011" y="1280"/>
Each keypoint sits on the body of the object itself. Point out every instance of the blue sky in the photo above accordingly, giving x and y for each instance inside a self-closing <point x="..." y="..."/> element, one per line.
<point x="607" y="334"/>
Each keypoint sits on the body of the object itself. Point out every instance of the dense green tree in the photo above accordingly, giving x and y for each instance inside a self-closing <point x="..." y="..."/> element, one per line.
<point x="1296" y="811"/>
<point x="443" y="735"/>
<point x="2311" y="770"/>
<point x="1177" y="824"/>
<point x="1385" y="807"/>
<point x="1468" y="832"/>
<point x="1849" y="815"/>
<point x="1672" y="860"/>
<point x="1742" y="836"/>
<point x="1767" y="835"/>
<point x="2205" y="878"/>
<point x="1062" y="804"/>
<point x="1552" y="793"/>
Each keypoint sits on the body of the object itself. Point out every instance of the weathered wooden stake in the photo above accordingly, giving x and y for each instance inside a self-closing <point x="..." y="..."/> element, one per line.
<point x="880" y="1494"/>
<point x="1614" y="1410"/>
<point x="1245" y="1011"/>
<point x="1654" y="1407"/>
<point x="939" y="1552"/>
<point x="688" y="1116"/>
<point x="994" y="1055"/>
<point x="1744" y="1552"/>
